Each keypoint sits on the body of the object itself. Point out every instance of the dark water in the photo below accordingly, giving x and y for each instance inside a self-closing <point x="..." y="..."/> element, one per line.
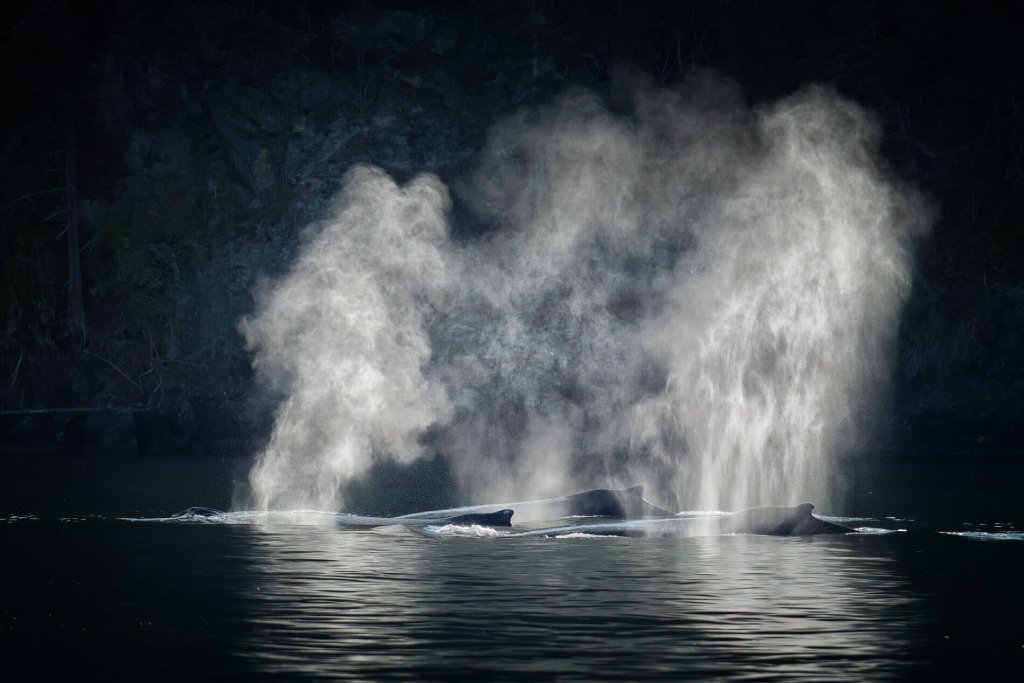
<point x="85" y="594"/>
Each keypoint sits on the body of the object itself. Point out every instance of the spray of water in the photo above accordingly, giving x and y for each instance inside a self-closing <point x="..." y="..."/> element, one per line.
<point x="690" y="294"/>
<point x="342" y="337"/>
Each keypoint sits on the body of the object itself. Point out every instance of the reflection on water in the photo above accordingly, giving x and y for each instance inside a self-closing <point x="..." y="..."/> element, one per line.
<point x="383" y="603"/>
<point x="86" y="594"/>
<point x="988" y="535"/>
<point x="116" y="598"/>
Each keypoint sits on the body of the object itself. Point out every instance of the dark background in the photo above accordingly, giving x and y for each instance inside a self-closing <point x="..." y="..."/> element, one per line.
<point x="157" y="158"/>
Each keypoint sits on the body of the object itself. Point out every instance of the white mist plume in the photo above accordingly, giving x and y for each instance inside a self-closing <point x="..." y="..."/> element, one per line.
<point x="778" y="341"/>
<point x="341" y="336"/>
<point x="691" y="295"/>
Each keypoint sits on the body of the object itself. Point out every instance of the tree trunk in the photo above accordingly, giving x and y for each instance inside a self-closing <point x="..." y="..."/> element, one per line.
<point x="76" y="310"/>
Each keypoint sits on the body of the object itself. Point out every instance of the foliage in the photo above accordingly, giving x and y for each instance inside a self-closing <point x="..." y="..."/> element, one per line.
<point x="945" y="82"/>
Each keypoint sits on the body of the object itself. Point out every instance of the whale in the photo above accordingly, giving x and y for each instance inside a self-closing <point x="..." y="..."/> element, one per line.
<point x="496" y="518"/>
<point x="780" y="521"/>
<point x="596" y="512"/>
<point x="765" y="521"/>
<point x="626" y="503"/>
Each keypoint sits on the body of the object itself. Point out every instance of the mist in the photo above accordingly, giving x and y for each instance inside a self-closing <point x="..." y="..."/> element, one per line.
<point x="343" y="337"/>
<point x="673" y="289"/>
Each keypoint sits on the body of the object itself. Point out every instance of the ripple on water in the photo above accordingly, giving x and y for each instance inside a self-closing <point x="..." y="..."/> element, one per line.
<point x="14" y="518"/>
<point x="314" y="600"/>
<point x="987" y="535"/>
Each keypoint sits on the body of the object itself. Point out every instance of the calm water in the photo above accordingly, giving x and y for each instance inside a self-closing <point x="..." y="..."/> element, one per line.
<point x="87" y="594"/>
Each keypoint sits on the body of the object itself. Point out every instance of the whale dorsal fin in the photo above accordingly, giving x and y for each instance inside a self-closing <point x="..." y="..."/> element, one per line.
<point x="499" y="518"/>
<point x="787" y="526"/>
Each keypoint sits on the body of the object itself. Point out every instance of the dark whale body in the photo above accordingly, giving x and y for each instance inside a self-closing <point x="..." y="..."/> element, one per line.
<point x="780" y="521"/>
<point x="762" y="521"/>
<point x="626" y="510"/>
<point x="498" y="518"/>
<point x="768" y="521"/>
<point x="636" y="516"/>
<point x="619" y="503"/>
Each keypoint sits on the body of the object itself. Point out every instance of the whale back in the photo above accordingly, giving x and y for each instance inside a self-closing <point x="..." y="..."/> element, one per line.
<point x="626" y="503"/>
<point x="492" y="519"/>
<point x="780" y="521"/>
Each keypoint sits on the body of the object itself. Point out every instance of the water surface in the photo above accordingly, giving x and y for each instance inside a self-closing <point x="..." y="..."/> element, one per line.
<point x="87" y="593"/>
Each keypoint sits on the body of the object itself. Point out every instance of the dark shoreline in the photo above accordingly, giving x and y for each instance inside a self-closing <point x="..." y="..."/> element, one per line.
<point x="242" y="98"/>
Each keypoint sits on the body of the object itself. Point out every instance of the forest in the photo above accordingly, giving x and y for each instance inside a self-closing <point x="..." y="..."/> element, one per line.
<point x="158" y="160"/>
